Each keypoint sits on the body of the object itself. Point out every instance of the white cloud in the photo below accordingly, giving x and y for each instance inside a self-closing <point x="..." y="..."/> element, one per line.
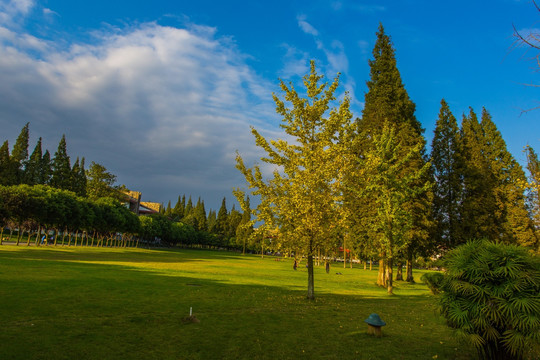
<point x="161" y="107"/>
<point x="10" y="10"/>
<point x="306" y="27"/>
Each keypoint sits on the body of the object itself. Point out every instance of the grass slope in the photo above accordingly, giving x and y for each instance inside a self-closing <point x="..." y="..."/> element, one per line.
<point x="95" y="303"/>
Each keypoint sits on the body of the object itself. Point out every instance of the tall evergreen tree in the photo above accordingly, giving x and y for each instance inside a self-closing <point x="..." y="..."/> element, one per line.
<point x="168" y="210"/>
<point x="478" y="205"/>
<point x="178" y="209"/>
<point x="512" y="221"/>
<point x="387" y="99"/>
<point x="199" y="214"/>
<point x="8" y="172"/>
<point x="19" y="154"/>
<point x="211" y="221"/>
<point x="234" y="220"/>
<point x="79" y="178"/>
<point x="222" y="220"/>
<point x="189" y="208"/>
<point x="46" y="170"/>
<point x="61" y="175"/>
<point x="33" y="171"/>
<point x="387" y="104"/>
<point x="447" y="169"/>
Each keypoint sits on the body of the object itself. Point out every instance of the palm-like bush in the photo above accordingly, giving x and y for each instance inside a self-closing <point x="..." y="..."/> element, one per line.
<point x="491" y="296"/>
<point x="433" y="281"/>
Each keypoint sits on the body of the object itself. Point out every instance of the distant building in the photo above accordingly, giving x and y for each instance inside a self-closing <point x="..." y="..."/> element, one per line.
<point x="147" y="208"/>
<point x="133" y="201"/>
<point x="134" y="204"/>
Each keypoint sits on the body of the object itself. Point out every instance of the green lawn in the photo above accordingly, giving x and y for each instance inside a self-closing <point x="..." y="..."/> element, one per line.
<point x="96" y="303"/>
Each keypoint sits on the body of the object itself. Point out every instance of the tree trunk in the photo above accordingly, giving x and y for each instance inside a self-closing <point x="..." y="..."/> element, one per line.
<point x="381" y="276"/>
<point x="344" y="254"/>
<point x="37" y="235"/>
<point x="18" y="236"/>
<point x="399" y="272"/>
<point x="410" y="277"/>
<point x="311" y="283"/>
<point x="29" y="236"/>
<point x="390" y="274"/>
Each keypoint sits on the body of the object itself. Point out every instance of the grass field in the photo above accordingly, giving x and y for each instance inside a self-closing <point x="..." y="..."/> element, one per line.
<point x="96" y="303"/>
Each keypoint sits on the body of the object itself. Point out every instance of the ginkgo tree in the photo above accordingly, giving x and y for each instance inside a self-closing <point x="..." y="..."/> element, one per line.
<point x="388" y="180"/>
<point x="302" y="196"/>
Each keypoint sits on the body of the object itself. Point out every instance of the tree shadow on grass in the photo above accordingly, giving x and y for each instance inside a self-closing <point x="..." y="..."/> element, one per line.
<point x="100" y="254"/>
<point x="66" y="310"/>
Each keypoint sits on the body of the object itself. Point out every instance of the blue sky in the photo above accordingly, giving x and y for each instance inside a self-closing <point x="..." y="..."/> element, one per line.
<point x="162" y="93"/>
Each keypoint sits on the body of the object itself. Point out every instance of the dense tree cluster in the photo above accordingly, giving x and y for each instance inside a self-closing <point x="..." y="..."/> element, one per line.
<point x="190" y="225"/>
<point x="480" y="189"/>
<point x="370" y="186"/>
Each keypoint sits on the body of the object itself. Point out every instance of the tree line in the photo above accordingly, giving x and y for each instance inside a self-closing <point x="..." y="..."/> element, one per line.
<point x="40" y="194"/>
<point x="368" y="184"/>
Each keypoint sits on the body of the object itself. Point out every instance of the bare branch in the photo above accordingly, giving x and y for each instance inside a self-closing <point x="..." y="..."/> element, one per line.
<point x="526" y="40"/>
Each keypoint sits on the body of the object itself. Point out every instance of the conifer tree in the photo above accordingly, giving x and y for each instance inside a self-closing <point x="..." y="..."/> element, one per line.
<point x="79" y="178"/>
<point x="8" y="172"/>
<point x="234" y="220"/>
<point x="512" y="221"/>
<point x="61" y="175"/>
<point x="222" y="220"/>
<point x="211" y="221"/>
<point x="189" y="208"/>
<point x="387" y="103"/>
<point x="46" y="169"/>
<point x="19" y="154"/>
<point x="478" y="205"/>
<point x="447" y="169"/>
<point x="199" y="214"/>
<point x="178" y="210"/>
<point x="33" y="171"/>
<point x="494" y="205"/>
<point x="168" y="209"/>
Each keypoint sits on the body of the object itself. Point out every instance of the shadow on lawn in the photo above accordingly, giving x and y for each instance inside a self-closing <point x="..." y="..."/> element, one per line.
<point x="99" y="254"/>
<point x="132" y="313"/>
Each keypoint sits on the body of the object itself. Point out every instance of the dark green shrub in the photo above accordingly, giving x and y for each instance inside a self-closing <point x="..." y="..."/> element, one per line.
<point x="433" y="281"/>
<point x="491" y="296"/>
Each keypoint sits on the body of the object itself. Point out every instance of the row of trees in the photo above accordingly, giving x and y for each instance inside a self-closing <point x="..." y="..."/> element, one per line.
<point x="40" y="209"/>
<point x="369" y="184"/>
<point x="39" y="175"/>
